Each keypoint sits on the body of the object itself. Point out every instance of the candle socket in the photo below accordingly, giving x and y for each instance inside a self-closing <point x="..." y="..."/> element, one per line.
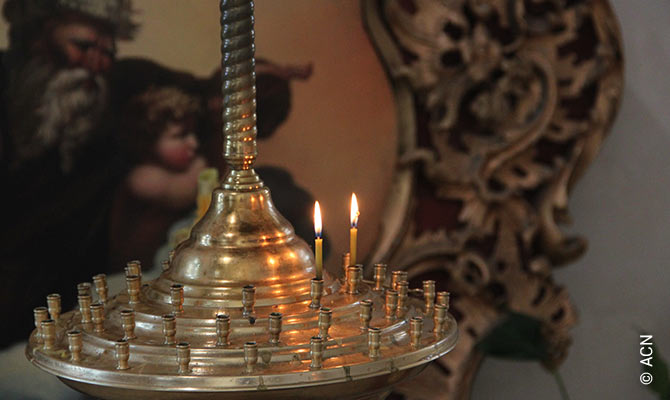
<point x="325" y="318"/>
<point x="222" y="329"/>
<point x="133" y="283"/>
<point x="428" y="295"/>
<point x="177" y="298"/>
<point x="274" y="327"/>
<point x="83" y="289"/>
<point x="391" y="305"/>
<point x="250" y="356"/>
<point x="248" y="300"/>
<point x="439" y="319"/>
<point x="74" y="342"/>
<point x="365" y="313"/>
<point x="346" y="261"/>
<point x="98" y="317"/>
<point x="380" y="276"/>
<point x="403" y="290"/>
<point x="170" y="329"/>
<point x="134" y="267"/>
<point x="316" y="352"/>
<point x="397" y="276"/>
<point x="374" y="343"/>
<point x="443" y="298"/>
<point x="415" y="330"/>
<point x="85" y="301"/>
<point x="354" y="276"/>
<point x="184" y="357"/>
<point x="100" y="282"/>
<point x="49" y="334"/>
<point x="53" y="302"/>
<point x="40" y="314"/>
<point x="128" y="323"/>
<point x="316" y="292"/>
<point x="122" y="354"/>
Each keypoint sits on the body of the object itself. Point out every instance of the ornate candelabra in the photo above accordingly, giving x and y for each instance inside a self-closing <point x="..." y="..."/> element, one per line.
<point x="237" y="312"/>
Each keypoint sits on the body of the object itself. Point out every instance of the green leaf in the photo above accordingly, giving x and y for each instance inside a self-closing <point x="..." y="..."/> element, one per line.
<point x="517" y="337"/>
<point x="659" y="371"/>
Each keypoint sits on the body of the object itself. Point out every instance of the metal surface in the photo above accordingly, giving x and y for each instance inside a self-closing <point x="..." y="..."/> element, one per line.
<point x="235" y="313"/>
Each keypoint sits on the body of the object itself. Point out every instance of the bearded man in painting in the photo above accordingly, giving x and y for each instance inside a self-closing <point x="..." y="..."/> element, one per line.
<point x="57" y="159"/>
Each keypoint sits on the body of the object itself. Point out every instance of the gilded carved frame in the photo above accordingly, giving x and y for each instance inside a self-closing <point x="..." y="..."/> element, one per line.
<point x="501" y="105"/>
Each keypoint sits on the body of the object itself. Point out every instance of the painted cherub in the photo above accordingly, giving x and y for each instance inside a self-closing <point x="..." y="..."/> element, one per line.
<point x="158" y="134"/>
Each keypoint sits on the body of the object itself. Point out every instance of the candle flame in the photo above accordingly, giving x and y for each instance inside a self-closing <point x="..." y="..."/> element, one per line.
<point x="354" y="211"/>
<point x="317" y="220"/>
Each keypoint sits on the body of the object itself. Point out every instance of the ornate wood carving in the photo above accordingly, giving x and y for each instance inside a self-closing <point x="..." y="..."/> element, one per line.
<point x="502" y="105"/>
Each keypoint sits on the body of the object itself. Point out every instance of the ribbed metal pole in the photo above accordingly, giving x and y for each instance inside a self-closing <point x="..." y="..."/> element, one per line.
<point x="238" y="79"/>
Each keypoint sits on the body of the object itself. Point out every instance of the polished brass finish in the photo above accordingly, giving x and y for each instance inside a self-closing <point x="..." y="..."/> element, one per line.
<point x="84" y="288"/>
<point x="133" y="284"/>
<point x="122" y="354"/>
<point x="169" y="329"/>
<point x="248" y="300"/>
<point x="177" y="298"/>
<point x="316" y="352"/>
<point x="316" y="292"/>
<point x="184" y="357"/>
<point x="391" y="305"/>
<point x="380" y="276"/>
<point x="415" y="329"/>
<point x="98" y="317"/>
<point x="403" y="290"/>
<point x="85" y="302"/>
<point x="40" y="314"/>
<point x="365" y="313"/>
<point x="429" y="295"/>
<point x="397" y="276"/>
<point x="134" y="268"/>
<point x="222" y="329"/>
<point x="246" y="284"/>
<point x="325" y="318"/>
<point x="346" y="261"/>
<point x="353" y="277"/>
<point x="274" y="327"/>
<point x="374" y="343"/>
<point x="100" y="282"/>
<point x="49" y="334"/>
<point x="128" y="323"/>
<point x="443" y="298"/>
<point x="439" y="319"/>
<point x="250" y="356"/>
<point x="74" y="345"/>
<point x="53" y="302"/>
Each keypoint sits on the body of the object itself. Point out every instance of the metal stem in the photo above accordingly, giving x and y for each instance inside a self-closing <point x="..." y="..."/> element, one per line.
<point x="238" y="80"/>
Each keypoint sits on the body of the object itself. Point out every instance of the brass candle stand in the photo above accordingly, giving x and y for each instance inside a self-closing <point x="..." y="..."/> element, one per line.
<point x="236" y="313"/>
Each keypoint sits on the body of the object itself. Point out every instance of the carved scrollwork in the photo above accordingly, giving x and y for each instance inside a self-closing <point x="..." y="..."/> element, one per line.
<point x="509" y="102"/>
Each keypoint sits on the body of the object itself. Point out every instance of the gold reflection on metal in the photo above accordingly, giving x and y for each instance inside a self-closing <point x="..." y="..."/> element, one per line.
<point x="53" y="303"/>
<point x="41" y="314"/>
<point x="74" y="345"/>
<point x="122" y="354"/>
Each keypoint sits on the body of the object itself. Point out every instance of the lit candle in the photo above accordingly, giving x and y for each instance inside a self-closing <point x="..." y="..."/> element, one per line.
<point x="318" y="242"/>
<point x="353" y="232"/>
